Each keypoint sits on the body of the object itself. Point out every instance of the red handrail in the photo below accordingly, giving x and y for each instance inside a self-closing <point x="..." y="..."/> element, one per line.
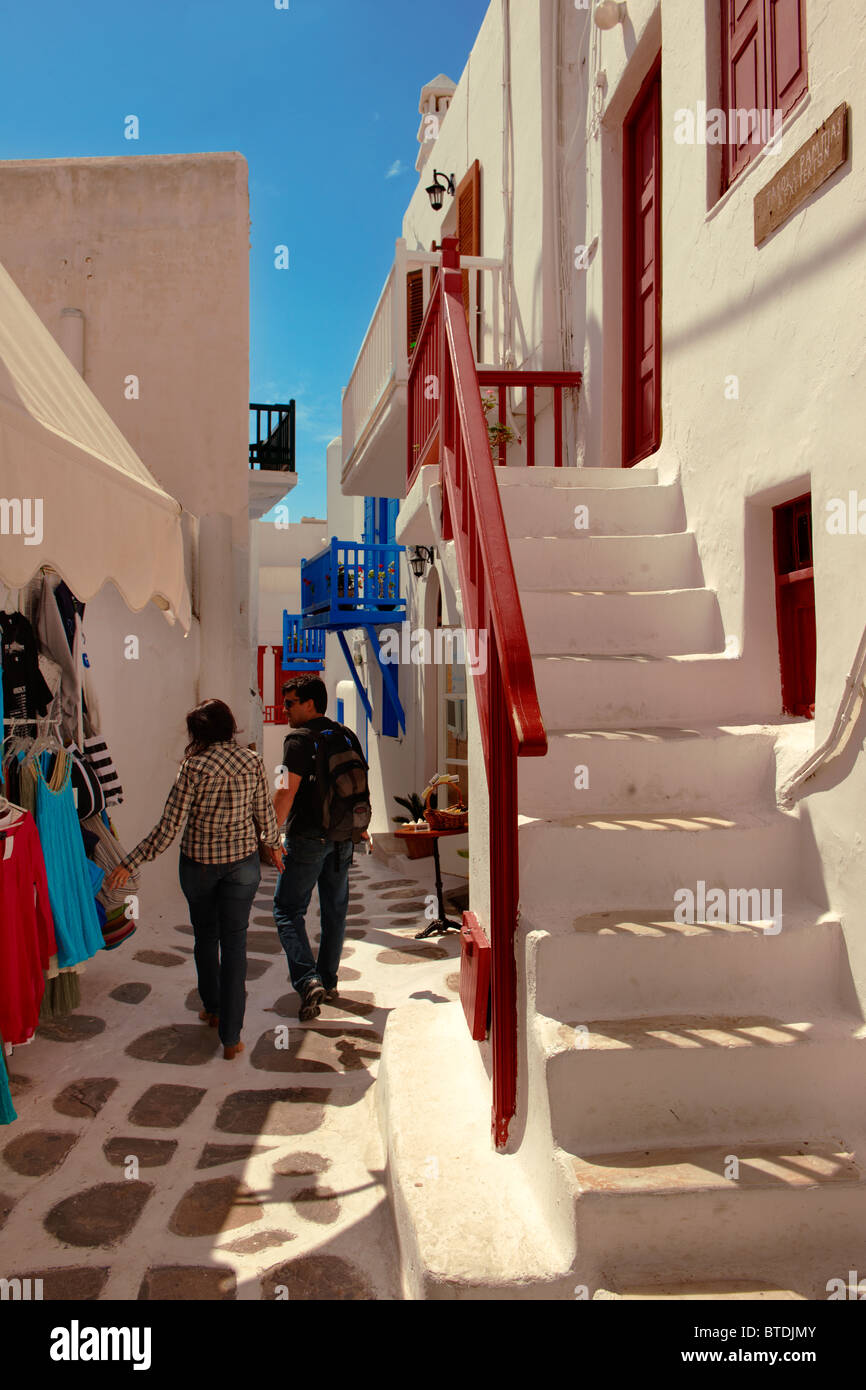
<point x="509" y="712"/>
<point x="502" y="378"/>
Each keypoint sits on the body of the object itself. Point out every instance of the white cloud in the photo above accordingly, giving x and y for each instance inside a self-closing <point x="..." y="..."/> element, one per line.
<point x="398" y="167"/>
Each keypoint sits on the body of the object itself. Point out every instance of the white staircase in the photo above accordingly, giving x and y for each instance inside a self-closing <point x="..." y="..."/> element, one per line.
<point x="699" y="1086"/>
<point x="693" y="1092"/>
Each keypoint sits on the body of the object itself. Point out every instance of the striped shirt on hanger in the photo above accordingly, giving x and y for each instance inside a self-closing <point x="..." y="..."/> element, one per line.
<point x="222" y="796"/>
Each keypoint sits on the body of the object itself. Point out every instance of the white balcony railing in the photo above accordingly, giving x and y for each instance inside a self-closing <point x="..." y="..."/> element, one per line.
<point x="380" y="366"/>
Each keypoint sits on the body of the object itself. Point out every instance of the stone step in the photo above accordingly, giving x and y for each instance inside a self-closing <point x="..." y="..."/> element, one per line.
<point x="663" y="623"/>
<point x="657" y="769"/>
<point x="533" y="507"/>
<point x="629" y="563"/>
<point x="670" y="1081"/>
<point x="542" y="476"/>
<point x="794" y="1208"/>
<point x="469" y="1221"/>
<point x="598" y="863"/>
<point x="618" y="965"/>
<point x="604" y="691"/>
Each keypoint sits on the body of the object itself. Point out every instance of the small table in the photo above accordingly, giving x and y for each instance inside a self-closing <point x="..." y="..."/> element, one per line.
<point x="442" y="923"/>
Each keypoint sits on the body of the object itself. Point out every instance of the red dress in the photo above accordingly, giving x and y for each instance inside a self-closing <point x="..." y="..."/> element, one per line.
<point x="26" y="929"/>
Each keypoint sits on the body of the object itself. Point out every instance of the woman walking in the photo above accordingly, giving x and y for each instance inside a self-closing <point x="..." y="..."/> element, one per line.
<point x="222" y="795"/>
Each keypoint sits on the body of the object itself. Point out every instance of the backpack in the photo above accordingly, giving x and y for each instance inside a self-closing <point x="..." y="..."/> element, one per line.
<point x="340" y="774"/>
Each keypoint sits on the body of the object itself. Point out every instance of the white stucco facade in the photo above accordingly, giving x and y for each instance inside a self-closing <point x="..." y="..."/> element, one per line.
<point x="654" y="637"/>
<point x="153" y="254"/>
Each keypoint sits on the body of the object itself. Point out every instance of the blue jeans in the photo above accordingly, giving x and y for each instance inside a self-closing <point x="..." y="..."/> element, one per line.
<point x="307" y="863"/>
<point x="220" y="897"/>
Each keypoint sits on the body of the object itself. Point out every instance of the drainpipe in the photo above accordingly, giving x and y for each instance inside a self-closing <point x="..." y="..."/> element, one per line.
<point x="507" y="192"/>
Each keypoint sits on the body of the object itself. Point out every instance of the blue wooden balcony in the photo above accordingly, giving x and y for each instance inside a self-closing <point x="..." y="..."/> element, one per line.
<point x="352" y="584"/>
<point x="303" y="647"/>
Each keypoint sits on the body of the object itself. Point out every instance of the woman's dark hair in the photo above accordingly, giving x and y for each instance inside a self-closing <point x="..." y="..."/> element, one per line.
<point x="210" y="722"/>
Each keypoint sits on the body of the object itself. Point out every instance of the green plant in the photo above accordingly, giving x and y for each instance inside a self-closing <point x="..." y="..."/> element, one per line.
<point x="497" y="433"/>
<point x="414" y="805"/>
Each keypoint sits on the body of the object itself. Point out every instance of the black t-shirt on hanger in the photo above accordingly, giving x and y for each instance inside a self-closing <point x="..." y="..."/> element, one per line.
<point x="26" y="694"/>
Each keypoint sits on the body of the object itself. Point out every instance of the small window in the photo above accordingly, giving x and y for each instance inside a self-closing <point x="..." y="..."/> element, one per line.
<point x="764" y="74"/>
<point x="795" y="605"/>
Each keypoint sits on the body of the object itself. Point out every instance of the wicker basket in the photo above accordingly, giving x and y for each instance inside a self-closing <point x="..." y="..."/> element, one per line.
<point x="452" y="818"/>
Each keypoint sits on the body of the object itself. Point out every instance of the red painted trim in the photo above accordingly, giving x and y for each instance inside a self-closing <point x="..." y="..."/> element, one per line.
<point x="260" y="670"/>
<point x="502" y="379"/>
<point x="632" y="451"/>
<point x="509" y="712"/>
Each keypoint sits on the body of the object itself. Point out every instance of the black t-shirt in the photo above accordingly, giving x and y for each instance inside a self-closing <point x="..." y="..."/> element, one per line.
<point x="25" y="691"/>
<point x="305" y="817"/>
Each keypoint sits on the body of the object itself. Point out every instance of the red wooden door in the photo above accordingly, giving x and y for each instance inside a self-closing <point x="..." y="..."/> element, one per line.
<point x="642" y="273"/>
<point x="795" y="605"/>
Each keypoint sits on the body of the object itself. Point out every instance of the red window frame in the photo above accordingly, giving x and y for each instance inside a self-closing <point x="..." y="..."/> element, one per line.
<point x="764" y="51"/>
<point x="795" y="604"/>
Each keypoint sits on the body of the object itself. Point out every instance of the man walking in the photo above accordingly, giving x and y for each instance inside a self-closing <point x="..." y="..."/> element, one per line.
<point x="323" y="760"/>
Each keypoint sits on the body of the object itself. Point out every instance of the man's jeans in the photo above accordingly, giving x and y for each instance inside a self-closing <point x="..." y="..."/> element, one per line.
<point x="220" y="897"/>
<point x="307" y="863"/>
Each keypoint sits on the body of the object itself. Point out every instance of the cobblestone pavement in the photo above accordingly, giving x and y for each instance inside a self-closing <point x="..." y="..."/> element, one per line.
<point x="144" y="1165"/>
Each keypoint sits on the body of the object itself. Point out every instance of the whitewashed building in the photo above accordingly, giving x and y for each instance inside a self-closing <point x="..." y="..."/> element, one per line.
<point x="667" y="567"/>
<point x="139" y="268"/>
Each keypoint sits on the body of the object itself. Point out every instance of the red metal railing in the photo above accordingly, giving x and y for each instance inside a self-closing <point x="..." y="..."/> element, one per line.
<point x="509" y="712"/>
<point x="423" y="390"/>
<point x="533" y="381"/>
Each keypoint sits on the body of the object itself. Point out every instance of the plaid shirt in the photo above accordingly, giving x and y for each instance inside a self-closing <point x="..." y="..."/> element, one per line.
<point x="222" y="795"/>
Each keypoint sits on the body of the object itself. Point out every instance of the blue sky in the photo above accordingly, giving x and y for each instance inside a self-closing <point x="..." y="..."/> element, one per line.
<point x="321" y="98"/>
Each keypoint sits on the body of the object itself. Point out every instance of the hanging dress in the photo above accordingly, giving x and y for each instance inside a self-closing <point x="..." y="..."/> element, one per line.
<point x="76" y="923"/>
<point x="27" y="938"/>
<point x="7" y="1109"/>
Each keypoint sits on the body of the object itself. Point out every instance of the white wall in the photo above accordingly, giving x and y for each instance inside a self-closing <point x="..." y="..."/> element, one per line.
<point x="784" y="319"/>
<point x="154" y="252"/>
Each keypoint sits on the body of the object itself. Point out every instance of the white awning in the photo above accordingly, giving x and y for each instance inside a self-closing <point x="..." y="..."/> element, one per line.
<point x="74" y="495"/>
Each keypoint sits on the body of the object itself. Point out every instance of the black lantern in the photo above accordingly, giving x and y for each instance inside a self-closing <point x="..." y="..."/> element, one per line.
<point x="436" y="192"/>
<point x="420" y="556"/>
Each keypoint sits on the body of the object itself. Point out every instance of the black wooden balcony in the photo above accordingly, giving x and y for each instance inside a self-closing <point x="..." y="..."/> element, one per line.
<point x="272" y="437"/>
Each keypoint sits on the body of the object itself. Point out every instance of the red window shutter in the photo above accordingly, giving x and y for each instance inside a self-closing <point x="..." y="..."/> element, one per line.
<point x="786" y="53"/>
<point x="414" y="307"/>
<point x="744" y="84"/>
<point x="469" y="238"/>
<point x="764" y="69"/>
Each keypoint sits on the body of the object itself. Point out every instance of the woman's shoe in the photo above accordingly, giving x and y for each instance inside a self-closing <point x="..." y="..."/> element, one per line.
<point x="210" y="1019"/>
<point x="230" y="1053"/>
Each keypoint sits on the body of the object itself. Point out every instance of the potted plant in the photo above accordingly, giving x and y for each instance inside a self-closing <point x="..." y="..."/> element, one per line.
<point x="418" y="846"/>
<point x="497" y="433"/>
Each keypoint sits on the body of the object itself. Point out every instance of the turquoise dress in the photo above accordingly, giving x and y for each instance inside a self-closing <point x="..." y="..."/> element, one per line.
<point x="7" y="1109"/>
<point x="70" y="892"/>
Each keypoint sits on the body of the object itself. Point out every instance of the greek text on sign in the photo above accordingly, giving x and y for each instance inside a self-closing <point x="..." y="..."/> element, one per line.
<point x="814" y="162"/>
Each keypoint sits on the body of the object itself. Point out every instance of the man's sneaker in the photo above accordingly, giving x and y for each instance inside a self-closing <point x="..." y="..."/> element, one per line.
<point x="331" y="996"/>
<point x="311" y="1000"/>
